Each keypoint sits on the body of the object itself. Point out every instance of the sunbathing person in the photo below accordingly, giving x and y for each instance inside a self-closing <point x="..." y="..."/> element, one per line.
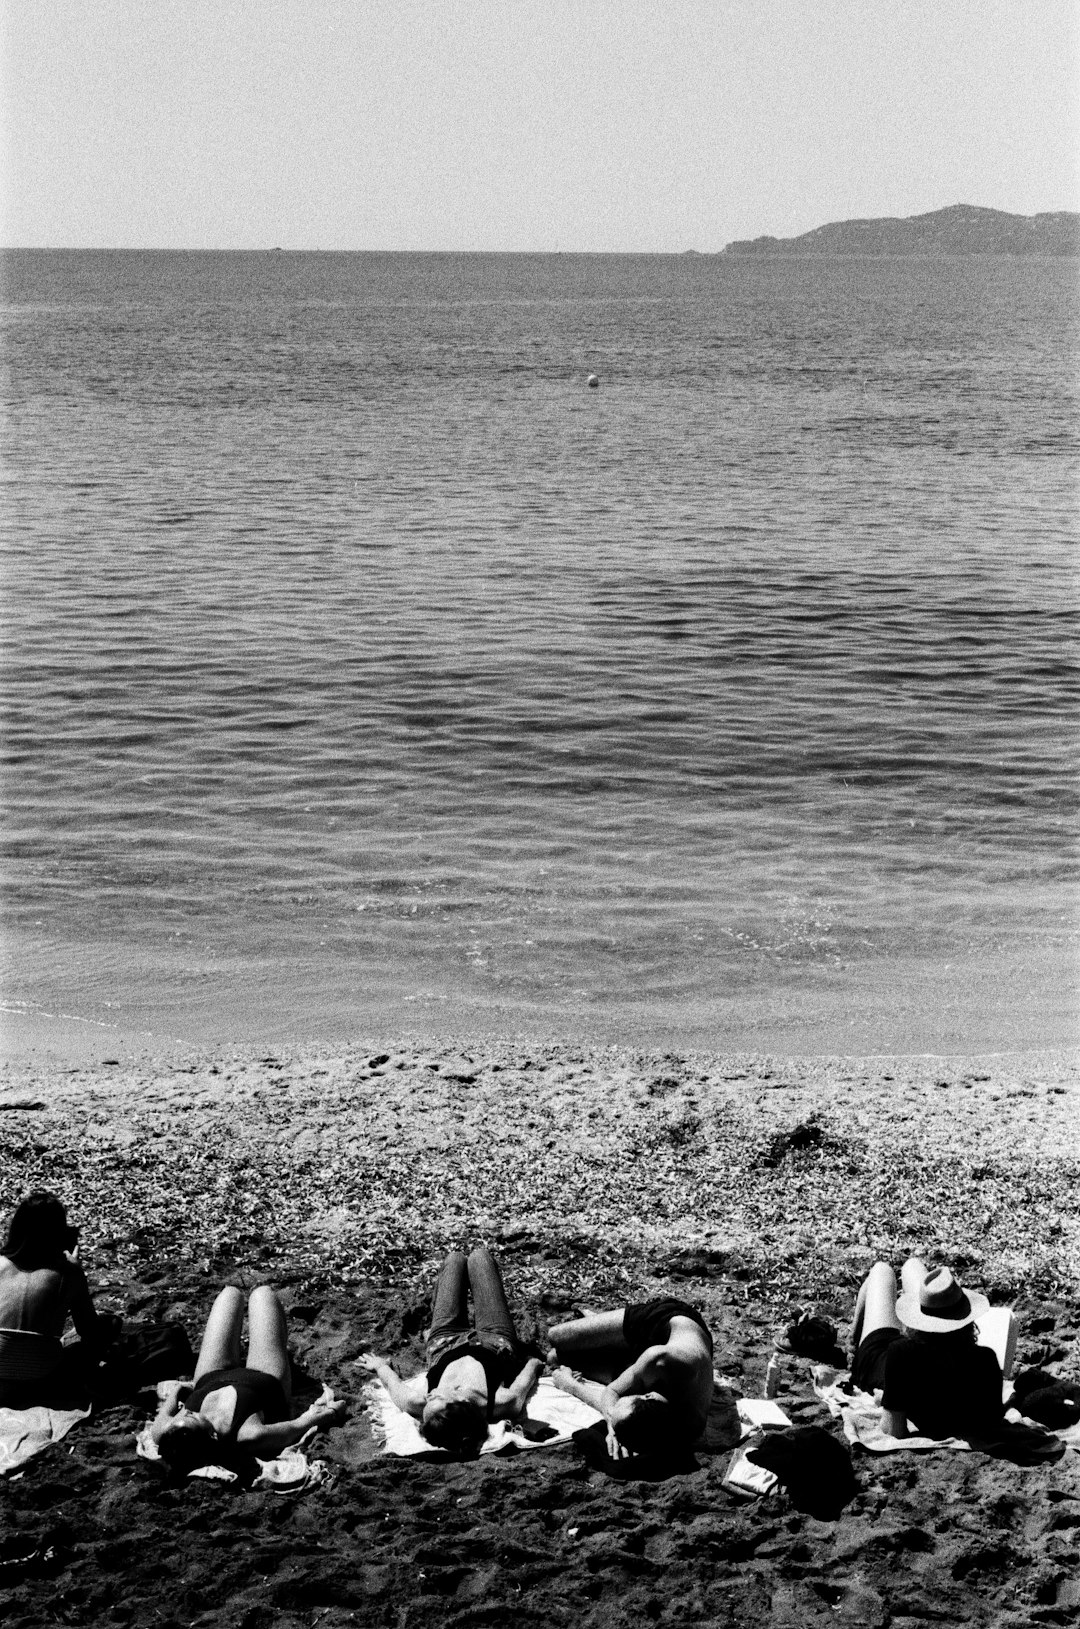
<point x="647" y="1368"/>
<point x="919" y="1349"/>
<point x="41" y="1287"/>
<point x="478" y="1371"/>
<point x="239" y="1405"/>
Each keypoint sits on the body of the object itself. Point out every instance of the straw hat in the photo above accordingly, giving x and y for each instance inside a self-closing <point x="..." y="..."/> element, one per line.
<point x="942" y="1305"/>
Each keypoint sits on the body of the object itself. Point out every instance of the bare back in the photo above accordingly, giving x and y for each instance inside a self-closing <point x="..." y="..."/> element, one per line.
<point x="40" y="1301"/>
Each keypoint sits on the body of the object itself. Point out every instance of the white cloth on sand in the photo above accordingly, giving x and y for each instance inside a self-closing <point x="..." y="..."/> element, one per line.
<point x="25" y="1432"/>
<point x="551" y="1419"/>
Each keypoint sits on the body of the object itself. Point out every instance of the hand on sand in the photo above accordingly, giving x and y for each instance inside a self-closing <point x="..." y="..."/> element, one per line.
<point x="614" y="1447"/>
<point x="326" y="1410"/>
<point x="369" y="1363"/>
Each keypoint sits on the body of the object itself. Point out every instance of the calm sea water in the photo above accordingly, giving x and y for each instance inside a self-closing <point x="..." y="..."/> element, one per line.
<point x="364" y="669"/>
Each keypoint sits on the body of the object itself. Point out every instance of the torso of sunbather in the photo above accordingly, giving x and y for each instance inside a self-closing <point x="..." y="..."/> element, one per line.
<point x="465" y="1378"/>
<point x="237" y="1403"/>
<point x="675" y="1365"/>
<point x="39" y="1301"/>
<point x="680" y="1370"/>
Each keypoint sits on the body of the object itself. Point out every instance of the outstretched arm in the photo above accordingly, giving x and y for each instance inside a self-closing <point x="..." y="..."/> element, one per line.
<point x="511" y="1400"/>
<point x="407" y="1395"/>
<point x="589" y="1391"/>
<point x="267" y="1441"/>
<point x="602" y="1398"/>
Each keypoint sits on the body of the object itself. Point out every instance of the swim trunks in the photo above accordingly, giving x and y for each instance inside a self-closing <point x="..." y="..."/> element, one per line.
<point x="646" y="1323"/>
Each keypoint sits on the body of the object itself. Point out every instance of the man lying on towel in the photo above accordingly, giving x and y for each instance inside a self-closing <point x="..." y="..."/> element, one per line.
<point x="657" y="1357"/>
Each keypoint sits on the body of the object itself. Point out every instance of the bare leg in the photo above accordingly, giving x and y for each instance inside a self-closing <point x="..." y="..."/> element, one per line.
<point x="220" y="1347"/>
<point x="597" y="1330"/>
<point x="913" y="1276"/>
<point x="268" y="1348"/>
<point x="875" y="1307"/>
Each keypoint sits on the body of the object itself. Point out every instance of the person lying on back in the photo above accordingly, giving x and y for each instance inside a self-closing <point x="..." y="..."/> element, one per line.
<point x="239" y="1405"/>
<point x="647" y="1368"/>
<point x="478" y="1369"/>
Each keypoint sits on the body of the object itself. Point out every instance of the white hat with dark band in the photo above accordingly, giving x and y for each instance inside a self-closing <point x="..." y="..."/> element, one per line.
<point x="941" y="1306"/>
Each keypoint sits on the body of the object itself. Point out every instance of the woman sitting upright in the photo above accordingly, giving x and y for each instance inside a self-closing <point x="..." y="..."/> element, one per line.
<point x="478" y="1371"/>
<point x="647" y="1368"/>
<point x="919" y="1350"/>
<point x="236" y="1404"/>
<point x="41" y="1287"/>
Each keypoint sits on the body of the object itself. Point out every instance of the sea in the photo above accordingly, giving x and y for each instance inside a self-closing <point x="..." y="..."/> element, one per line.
<point x="666" y="650"/>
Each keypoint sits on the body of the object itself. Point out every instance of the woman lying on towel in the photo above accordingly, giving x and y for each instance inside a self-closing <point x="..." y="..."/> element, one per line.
<point x="919" y="1349"/>
<point x="41" y="1287"/>
<point x="478" y="1371"/>
<point x="647" y="1367"/>
<point x="238" y="1404"/>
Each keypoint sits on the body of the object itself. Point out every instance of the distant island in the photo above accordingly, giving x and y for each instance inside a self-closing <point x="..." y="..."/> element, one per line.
<point x="962" y="229"/>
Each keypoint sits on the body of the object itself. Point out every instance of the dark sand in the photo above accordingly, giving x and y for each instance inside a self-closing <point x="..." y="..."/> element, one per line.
<point x="596" y="1176"/>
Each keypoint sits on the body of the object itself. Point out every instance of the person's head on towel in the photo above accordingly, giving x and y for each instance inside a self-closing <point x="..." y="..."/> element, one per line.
<point x="454" y="1423"/>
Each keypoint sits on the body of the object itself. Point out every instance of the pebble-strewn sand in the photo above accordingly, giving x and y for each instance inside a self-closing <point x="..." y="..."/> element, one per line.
<point x="596" y="1176"/>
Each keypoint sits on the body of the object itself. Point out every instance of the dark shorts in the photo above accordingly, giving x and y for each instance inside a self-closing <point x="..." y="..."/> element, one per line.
<point x="645" y="1323"/>
<point x="868" y="1364"/>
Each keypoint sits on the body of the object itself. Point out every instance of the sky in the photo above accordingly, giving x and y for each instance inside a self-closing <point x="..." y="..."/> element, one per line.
<point x="591" y="125"/>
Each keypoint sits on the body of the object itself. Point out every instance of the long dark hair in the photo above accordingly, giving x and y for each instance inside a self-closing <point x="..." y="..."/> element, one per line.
<point x="39" y="1233"/>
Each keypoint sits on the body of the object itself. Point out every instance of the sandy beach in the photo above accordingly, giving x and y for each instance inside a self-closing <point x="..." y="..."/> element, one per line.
<point x="747" y="1184"/>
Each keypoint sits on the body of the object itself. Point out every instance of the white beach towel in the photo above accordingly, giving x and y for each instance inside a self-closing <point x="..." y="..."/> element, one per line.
<point x="860" y="1414"/>
<point x="291" y="1472"/>
<point x="550" y="1421"/>
<point x="25" y="1432"/>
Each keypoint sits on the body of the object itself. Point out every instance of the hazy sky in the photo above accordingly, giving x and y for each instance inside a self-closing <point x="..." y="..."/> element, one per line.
<point x="525" y="124"/>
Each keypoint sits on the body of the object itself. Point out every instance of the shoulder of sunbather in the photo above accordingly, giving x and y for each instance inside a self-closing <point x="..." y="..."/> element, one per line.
<point x="639" y="1377"/>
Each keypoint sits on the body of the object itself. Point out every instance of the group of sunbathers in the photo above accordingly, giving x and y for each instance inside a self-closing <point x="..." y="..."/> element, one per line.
<point x="646" y="1368"/>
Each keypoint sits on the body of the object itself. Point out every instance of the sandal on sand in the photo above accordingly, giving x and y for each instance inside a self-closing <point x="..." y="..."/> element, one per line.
<point x="809" y="1336"/>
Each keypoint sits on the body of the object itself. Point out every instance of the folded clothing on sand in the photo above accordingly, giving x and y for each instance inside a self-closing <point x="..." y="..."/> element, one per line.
<point x="25" y="1432"/>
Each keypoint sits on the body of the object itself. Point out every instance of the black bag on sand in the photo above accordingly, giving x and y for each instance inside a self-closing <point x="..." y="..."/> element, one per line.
<point x="1046" y="1397"/>
<point x="142" y="1356"/>
<point x="812" y="1466"/>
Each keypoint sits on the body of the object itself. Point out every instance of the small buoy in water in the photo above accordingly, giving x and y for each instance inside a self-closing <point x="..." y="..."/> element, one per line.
<point x="594" y="383"/>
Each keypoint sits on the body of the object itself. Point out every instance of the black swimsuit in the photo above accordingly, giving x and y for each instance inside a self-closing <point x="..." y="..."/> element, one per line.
<point x="646" y="1323"/>
<point x="256" y="1393"/>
